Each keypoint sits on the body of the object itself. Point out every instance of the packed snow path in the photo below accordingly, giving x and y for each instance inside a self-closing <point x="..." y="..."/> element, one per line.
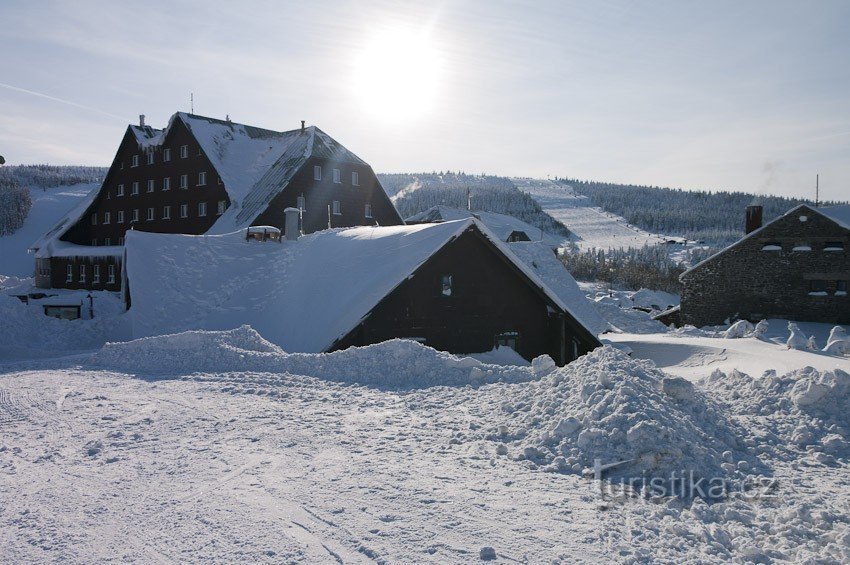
<point x="592" y="226"/>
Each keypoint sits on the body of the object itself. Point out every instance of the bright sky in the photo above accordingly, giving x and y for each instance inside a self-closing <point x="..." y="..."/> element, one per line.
<point x="751" y="95"/>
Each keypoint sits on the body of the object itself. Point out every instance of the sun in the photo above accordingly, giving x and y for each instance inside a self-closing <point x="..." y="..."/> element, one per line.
<point x="397" y="75"/>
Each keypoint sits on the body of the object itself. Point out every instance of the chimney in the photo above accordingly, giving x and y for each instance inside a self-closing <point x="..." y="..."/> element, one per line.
<point x="227" y="118"/>
<point x="754" y="217"/>
<point x="291" y="224"/>
<point x="141" y="120"/>
<point x="302" y="126"/>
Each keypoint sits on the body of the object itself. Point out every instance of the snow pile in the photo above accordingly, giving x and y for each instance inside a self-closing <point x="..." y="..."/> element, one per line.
<point x="739" y="329"/>
<point x="610" y="407"/>
<point x="797" y="339"/>
<point x="621" y="314"/>
<point x="804" y="410"/>
<point x="396" y="363"/>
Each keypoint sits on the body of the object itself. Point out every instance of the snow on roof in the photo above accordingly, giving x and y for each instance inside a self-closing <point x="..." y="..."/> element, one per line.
<point x="48" y="240"/>
<point x="301" y="295"/>
<point x="500" y="224"/>
<point x="838" y="214"/>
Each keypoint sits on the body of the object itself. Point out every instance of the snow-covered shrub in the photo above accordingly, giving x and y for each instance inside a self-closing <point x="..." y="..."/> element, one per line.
<point x="739" y="329"/>
<point x="797" y="339"/>
<point x="15" y="204"/>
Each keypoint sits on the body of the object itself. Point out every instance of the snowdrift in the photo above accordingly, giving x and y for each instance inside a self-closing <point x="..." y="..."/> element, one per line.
<point x="610" y="407"/>
<point x="395" y="363"/>
<point x="804" y="410"/>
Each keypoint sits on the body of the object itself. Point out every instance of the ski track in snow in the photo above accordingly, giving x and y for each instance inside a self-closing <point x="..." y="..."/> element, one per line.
<point x="592" y="226"/>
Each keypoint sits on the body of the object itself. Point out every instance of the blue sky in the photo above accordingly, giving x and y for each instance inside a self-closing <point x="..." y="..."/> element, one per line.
<point x="750" y="95"/>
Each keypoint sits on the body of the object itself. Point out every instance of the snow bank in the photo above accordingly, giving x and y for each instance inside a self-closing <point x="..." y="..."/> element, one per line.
<point x="803" y="411"/>
<point x="610" y="407"/>
<point x="396" y="363"/>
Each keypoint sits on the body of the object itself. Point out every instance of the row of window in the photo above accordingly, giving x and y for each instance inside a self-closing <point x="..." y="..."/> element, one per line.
<point x="336" y="207"/>
<point x="803" y="246"/>
<point x="106" y="219"/>
<point x="337" y="176"/>
<point x="166" y="156"/>
<point x="166" y="184"/>
<point x="110" y="274"/>
<point x="825" y="287"/>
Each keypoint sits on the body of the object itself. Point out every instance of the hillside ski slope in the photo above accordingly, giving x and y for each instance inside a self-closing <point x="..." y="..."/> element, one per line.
<point x="592" y="226"/>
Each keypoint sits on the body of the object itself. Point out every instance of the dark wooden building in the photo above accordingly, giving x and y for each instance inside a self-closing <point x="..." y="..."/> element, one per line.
<point x="206" y="176"/>
<point x="453" y="286"/>
<point x="796" y="267"/>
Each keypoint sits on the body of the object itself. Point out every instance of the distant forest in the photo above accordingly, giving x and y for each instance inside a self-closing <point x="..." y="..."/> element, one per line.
<point x="717" y="218"/>
<point x="416" y="192"/>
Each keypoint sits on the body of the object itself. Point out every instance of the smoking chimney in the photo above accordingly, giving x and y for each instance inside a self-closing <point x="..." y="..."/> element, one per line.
<point x="141" y="120"/>
<point x="291" y="223"/>
<point x="302" y="126"/>
<point x="754" y="217"/>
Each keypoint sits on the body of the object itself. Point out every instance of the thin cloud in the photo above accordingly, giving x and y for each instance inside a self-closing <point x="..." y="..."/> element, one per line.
<point x="61" y="101"/>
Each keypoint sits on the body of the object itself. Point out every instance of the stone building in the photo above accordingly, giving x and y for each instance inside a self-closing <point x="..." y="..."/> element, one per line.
<point x="795" y="267"/>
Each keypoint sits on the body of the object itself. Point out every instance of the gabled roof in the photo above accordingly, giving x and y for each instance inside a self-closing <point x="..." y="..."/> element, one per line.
<point x="303" y="296"/>
<point x="255" y="164"/>
<point x="838" y="214"/>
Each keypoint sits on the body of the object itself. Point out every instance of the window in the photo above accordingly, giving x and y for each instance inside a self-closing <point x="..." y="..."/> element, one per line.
<point x="135" y="162"/>
<point x="121" y="240"/>
<point x="508" y="339"/>
<point x="817" y="287"/>
<point x="368" y="210"/>
<point x="69" y="273"/>
<point x="96" y="275"/>
<point x="135" y="215"/>
<point x="135" y="189"/>
<point x="184" y="181"/>
<point x="82" y="273"/>
<point x="772" y="246"/>
<point x="184" y="210"/>
<point x="446" y="285"/>
<point x="150" y="215"/>
<point x="199" y="151"/>
<point x="151" y="185"/>
<point x="317" y="172"/>
<point x="107" y="241"/>
<point x="94" y="219"/>
<point x="222" y="206"/>
<point x="337" y="210"/>
<point x="841" y="288"/>
<point x="166" y="154"/>
<point x="202" y="209"/>
<point x="202" y="178"/>
<point x="94" y="242"/>
<point x="120" y="217"/>
<point x="166" y="212"/>
<point x="301" y="203"/>
<point x="166" y="183"/>
<point x="802" y="246"/>
<point x="150" y="158"/>
<point x="120" y="191"/>
<point x="337" y="176"/>
<point x="355" y="178"/>
<point x="107" y="217"/>
<point x="184" y="151"/>
<point x="833" y="246"/>
<point x="110" y="271"/>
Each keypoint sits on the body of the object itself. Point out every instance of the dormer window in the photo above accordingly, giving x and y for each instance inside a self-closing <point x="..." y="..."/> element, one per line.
<point x="166" y="154"/>
<point x="317" y="172"/>
<point x="135" y="162"/>
<point x="150" y="158"/>
<point x="337" y="178"/>
<point x="355" y="179"/>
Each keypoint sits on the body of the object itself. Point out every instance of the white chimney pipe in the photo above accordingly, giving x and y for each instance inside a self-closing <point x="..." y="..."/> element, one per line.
<point x="292" y="224"/>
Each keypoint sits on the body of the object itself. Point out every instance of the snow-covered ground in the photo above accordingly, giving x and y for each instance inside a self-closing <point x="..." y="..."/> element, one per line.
<point x="48" y="206"/>
<point x="592" y="226"/>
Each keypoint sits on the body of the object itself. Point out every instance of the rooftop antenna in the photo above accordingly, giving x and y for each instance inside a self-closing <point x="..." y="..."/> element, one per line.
<point x="817" y="189"/>
<point x="191" y="102"/>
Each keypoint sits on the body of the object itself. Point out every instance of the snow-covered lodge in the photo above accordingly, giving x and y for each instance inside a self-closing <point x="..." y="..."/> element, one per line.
<point x="796" y="267"/>
<point x="175" y="226"/>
